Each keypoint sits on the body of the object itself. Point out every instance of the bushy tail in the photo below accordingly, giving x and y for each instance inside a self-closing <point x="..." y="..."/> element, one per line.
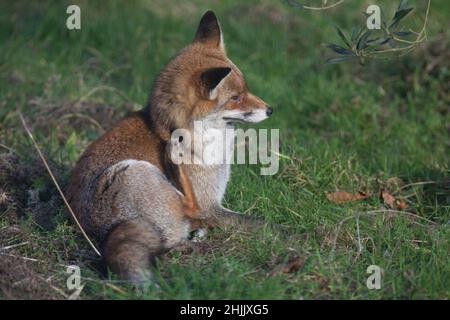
<point x="131" y="248"/>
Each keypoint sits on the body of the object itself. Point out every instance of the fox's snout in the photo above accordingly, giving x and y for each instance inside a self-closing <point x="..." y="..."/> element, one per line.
<point x="249" y="108"/>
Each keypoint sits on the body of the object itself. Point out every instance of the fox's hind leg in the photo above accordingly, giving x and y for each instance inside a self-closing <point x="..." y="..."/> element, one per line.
<point x="149" y="215"/>
<point x="130" y="250"/>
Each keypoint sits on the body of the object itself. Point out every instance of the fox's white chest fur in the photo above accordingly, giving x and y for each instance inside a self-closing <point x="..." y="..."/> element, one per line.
<point x="210" y="180"/>
<point x="209" y="183"/>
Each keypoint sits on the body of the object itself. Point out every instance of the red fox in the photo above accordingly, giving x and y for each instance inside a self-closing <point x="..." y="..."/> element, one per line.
<point x="126" y="191"/>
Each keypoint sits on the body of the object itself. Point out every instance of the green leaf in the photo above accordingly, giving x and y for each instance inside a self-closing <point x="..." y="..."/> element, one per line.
<point x="399" y="15"/>
<point x="343" y="37"/>
<point x="402" y="33"/>
<point x="338" y="49"/>
<point x="362" y="42"/>
<point x="341" y="59"/>
<point x="378" y="41"/>
<point x="392" y="43"/>
<point x="386" y="40"/>
<point x="355" y="34"/>
<point x="374" y="41"/>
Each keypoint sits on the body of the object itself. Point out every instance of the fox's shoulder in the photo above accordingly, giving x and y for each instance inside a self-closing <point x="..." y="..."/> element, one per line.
<point x="123" y="134"/>
<point x="130" y="138"/>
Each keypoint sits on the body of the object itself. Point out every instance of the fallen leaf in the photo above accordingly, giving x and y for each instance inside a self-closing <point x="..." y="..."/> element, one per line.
<point x="344" y="196"/>
<point x="392" y="202"/>
<point x="401" y="204"/>
<point x="388" y="198"/>
<point x="292" y="265"/>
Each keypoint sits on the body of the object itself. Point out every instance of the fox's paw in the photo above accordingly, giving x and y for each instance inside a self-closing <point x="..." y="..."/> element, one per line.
<point x="198" y="235"/>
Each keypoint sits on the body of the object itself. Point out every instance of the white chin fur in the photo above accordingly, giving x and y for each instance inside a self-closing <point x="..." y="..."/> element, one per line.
<point x="257" y="116"/>
<point x="253" y="116"/>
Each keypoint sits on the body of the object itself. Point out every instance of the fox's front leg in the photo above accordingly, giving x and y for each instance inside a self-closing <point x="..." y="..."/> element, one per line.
<point x="189" y="200"/>
<point x="224" y="218"/>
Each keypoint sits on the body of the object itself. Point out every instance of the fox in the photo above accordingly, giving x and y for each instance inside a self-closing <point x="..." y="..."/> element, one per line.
<point x="126" y="191"/>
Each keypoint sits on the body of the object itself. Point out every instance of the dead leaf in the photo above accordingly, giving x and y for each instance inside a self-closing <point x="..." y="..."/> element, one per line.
<point x="392" y="202"/>
<point x="388" y="198"/>
<point x="400" y="204"/>
<point x="344" y="196"/>
<point x="292" y="265"/>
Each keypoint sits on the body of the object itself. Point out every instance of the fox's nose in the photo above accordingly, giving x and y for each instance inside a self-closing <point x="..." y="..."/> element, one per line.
<point x="269" y="111"/>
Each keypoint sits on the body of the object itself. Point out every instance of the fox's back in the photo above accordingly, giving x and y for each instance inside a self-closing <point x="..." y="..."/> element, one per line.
<point x="132" y="139"/>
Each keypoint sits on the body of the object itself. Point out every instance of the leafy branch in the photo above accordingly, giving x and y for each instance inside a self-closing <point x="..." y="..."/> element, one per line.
<point x="364" y="43"/>
<point x="370" y="43"/>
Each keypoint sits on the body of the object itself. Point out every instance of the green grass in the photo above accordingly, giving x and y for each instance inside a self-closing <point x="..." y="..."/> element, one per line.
<point x="342" y="127"/>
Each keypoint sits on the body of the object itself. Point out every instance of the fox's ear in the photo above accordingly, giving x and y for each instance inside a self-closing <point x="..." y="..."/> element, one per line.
<point x="210" y="80"/>
<point x="208" y="31"/>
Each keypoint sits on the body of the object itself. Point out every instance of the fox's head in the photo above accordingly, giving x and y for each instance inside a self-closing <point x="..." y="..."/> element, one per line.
<point x="202" y="83"/>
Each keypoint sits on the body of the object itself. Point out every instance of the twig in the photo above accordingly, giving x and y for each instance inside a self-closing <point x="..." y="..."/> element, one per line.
<point x="7" y="148"/>
<point x="29" y="259"/>
<point x="115" y="288"/>
<point x="360" y="248"/>
<point x="20" y="257"/>
<point x="326" y="7"/>
<point x="13" y="246"/>
<point x="295" y="4"/>
<point x="56" y="184"/>
<point x="417" y="184"/>
<point x="421" y="36"/>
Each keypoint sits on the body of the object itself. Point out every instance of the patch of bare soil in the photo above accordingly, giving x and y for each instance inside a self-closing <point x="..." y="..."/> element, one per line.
<point x="25" y="188"/>
<point x="20" y="279"/>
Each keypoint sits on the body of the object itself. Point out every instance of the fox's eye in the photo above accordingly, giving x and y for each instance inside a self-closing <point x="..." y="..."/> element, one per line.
<point x="236" y="98"/>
